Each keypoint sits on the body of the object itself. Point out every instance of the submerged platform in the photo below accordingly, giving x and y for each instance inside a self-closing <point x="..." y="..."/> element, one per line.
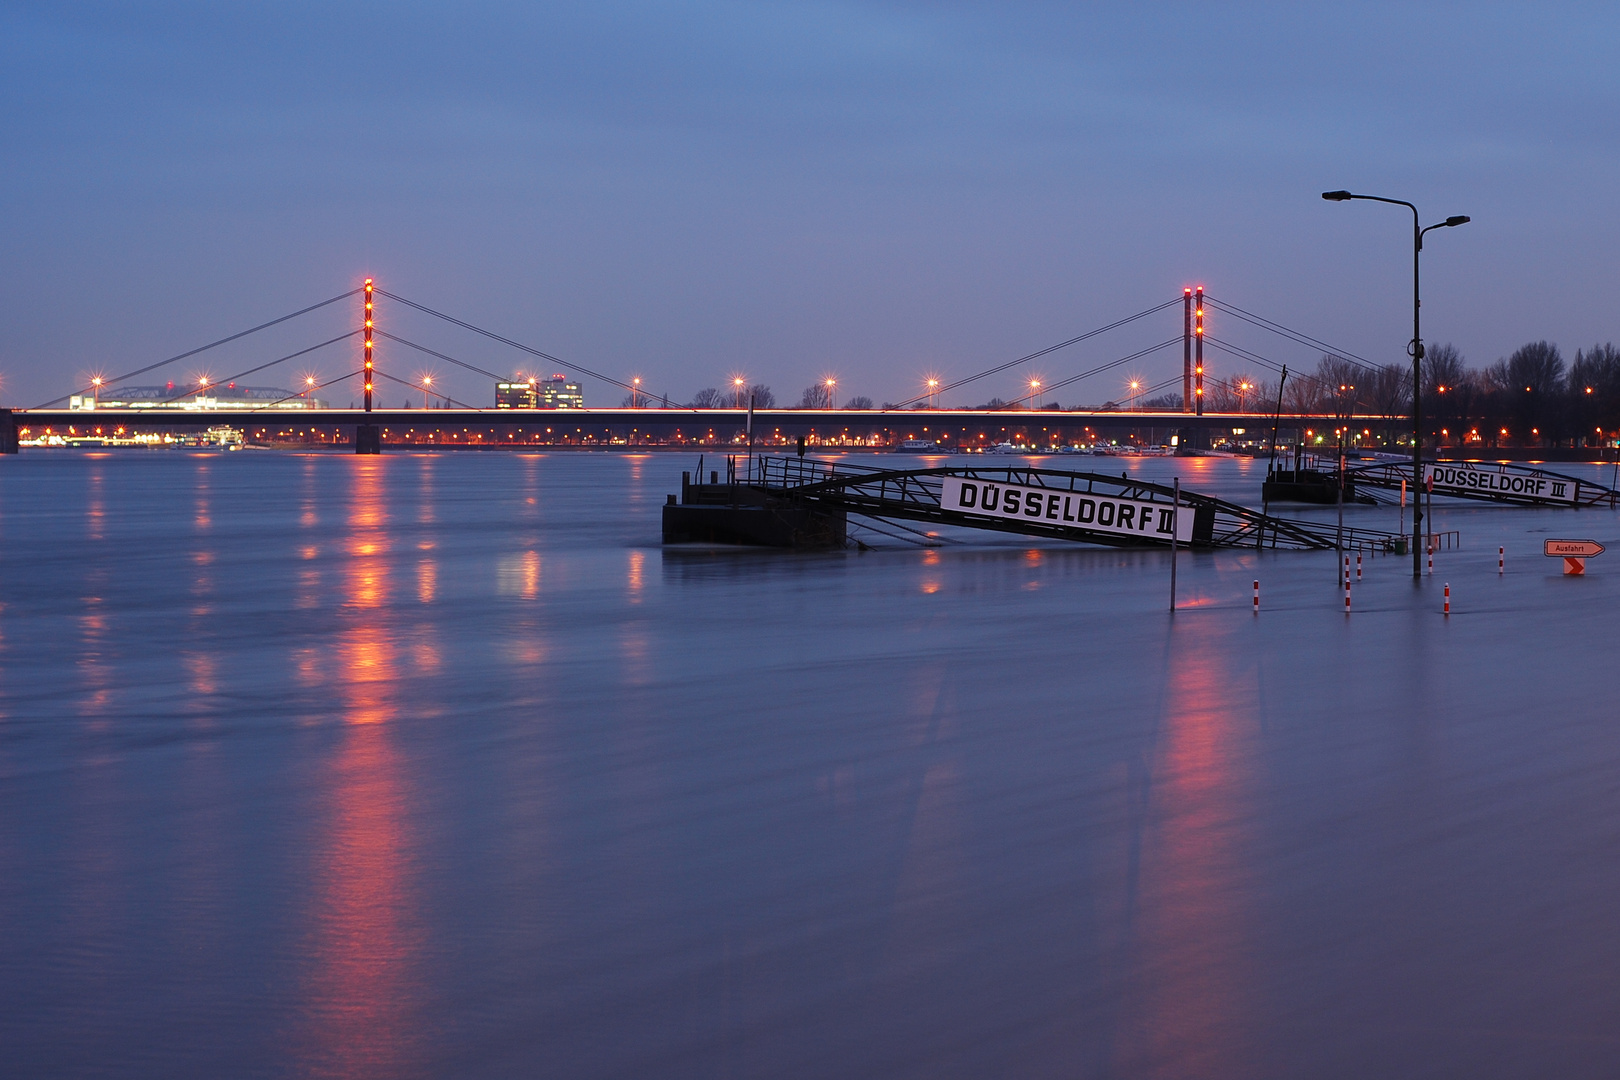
<point x="743" y="514"/>
<point x="787" y="502"/>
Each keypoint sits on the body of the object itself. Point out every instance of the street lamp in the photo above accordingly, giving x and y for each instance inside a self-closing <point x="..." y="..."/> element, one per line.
<point x="933" y="393"/>
<point x="635" y="392"/>
<point x="737" y="389"/>
<point x="831" y="383"/>
<point x="1415" y="350"/>
<point x="427" y="386"/>
<point x="1136" y="385"/>
<point x="1035" y="392"/>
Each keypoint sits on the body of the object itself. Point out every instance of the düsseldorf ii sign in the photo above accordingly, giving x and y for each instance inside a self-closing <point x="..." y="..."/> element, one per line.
<point x="1467" y="479"/>
<point x="1067" y="509"/>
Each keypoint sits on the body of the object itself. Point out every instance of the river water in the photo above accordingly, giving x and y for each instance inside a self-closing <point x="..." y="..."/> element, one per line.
<point x="438" y="765"/>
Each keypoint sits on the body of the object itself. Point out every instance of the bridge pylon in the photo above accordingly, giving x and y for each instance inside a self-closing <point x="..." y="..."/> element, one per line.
<point x="368" y="437"/>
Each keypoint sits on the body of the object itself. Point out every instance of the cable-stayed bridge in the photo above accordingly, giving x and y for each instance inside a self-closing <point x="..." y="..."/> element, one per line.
<point x="652" y="419"/>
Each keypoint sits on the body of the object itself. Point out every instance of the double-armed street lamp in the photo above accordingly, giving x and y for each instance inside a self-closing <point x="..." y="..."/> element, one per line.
<point x="1415" y="350"/>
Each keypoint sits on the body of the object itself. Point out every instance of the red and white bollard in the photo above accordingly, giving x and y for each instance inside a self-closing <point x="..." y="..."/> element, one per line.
<point x="1431" y="556"/>
<point x="1257" y="598"/>
<point x="1358" y="566"/>
<point x="1448" y="598"/>
<point x="1501" y="559"/>
<point x="1347" y="596"/>
<point x="1347" y="571"/>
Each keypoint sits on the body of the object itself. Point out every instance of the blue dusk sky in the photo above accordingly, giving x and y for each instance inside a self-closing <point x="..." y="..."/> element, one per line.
<point x="793" y="190"/>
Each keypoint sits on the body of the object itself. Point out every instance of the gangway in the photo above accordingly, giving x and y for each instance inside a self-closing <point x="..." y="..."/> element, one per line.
<point x="1095" y="508"/>
<point x="1500" y="482"/>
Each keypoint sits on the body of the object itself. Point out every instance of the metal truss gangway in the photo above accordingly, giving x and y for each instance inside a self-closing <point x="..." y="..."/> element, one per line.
<point x="1095" y="508"/>
<point x="1491" y="481"/>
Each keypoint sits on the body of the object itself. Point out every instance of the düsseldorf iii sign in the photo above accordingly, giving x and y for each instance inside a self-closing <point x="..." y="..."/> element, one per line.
<point x="1450" y="479"/>
<point x="1067" y="509"/>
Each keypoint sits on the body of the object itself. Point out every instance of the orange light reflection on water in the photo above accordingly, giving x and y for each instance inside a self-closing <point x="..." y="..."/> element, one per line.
<point x="1194" y="1006"/>
<point x="363" y="996"/>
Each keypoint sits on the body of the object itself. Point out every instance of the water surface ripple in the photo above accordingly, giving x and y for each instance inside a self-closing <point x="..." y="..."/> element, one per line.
<point x="438" y="765"/>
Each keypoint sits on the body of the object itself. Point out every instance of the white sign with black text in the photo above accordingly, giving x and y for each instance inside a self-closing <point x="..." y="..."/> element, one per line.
<point x="1071" y="509"/>
<point x="1488" y="481"/>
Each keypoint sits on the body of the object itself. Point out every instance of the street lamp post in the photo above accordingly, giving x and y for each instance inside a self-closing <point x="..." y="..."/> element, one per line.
<point x="1415" y="350"/>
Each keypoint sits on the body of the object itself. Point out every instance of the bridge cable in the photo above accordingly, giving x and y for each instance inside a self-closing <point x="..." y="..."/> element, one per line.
<point x="413" y="386"/>
<point x="508" y="341"/>
<point x="1035" y="355"/>
<point x="261" y="367"/>
<point x="1274" y="366"/>
<point x="1112" y="364"/>
<point x="1298" y="336"/>
<point x="301" y="393"/>
<point x="442" y="356"/>
<point x="210" y="345"/>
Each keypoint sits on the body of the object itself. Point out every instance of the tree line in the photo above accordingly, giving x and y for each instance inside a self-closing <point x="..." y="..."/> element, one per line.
<point x="1532" y="397"/>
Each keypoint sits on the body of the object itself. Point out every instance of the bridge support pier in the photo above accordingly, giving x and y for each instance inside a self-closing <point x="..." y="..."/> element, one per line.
<point x="8" y="432"/>
<point x="367" y="439"/>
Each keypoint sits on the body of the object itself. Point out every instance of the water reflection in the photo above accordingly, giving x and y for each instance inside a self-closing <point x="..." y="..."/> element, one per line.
<point x="367" y="931"/>
<point x="518" y="575"/>
<point x="637" y="559"/>
<point x="1191" y="924"/>
<point x="95" y="671"/>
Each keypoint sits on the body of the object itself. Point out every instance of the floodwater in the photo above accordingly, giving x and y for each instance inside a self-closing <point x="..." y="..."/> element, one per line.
<point x="438" y="765"/>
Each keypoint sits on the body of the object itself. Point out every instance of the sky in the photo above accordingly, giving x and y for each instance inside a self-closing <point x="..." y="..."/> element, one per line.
<point x="793" y="191"/>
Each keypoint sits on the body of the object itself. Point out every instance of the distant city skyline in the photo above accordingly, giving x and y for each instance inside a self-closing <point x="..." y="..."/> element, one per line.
<point x="872" y="193"/>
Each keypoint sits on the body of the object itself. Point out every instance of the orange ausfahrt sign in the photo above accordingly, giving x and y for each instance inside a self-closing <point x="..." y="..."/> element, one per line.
<point x="1578" y="549"/>
<point x="1573" y="552"/>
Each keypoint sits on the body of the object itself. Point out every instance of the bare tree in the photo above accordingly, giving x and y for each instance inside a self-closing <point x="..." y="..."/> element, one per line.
<point x="1448" y="392"/>
<point x="1534" y="378"/>
<point x="707" y="398"/>
<point x="762" y="396"/>
<point x="858" y="402"/>
<point x="816" y="396"/>
<point x="1594" y="391"/>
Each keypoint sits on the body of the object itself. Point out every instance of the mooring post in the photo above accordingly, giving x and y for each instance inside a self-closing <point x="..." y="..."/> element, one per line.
<point x="1175" y="511"/>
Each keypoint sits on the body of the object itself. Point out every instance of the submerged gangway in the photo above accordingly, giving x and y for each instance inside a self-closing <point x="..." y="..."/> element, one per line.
<point x="1095" y="508"/>
<point x="1490" y="481"/>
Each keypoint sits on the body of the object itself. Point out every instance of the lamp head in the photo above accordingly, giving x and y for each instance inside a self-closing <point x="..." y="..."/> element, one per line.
<point x="1337" y="196"/>
<point x="1460" y="219"/>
